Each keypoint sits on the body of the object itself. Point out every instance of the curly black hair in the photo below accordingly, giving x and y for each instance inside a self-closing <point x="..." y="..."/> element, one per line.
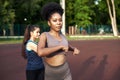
<point x="50" y="8"/>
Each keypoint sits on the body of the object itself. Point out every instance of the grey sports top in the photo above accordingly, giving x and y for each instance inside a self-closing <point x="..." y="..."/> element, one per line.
<point x="52" y="42"/>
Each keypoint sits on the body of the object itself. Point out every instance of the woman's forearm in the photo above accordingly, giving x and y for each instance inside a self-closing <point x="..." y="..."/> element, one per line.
<point x="71" y="48"/>
<point x="46" y="51"/>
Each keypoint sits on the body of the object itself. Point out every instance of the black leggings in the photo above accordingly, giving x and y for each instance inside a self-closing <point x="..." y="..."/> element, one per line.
<point x="35" y="74"/>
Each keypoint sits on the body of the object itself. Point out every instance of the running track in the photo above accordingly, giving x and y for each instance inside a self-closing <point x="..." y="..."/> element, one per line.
<point x="98" y="60"/>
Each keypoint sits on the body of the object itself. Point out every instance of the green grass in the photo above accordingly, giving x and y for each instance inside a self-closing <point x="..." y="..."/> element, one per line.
<point x="96" y="37"/>
<point x="10" y="41"/>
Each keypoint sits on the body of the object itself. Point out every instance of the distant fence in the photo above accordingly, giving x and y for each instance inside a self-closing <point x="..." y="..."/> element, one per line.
<point x="91" y="29"/>
<point x="18" y="29"/>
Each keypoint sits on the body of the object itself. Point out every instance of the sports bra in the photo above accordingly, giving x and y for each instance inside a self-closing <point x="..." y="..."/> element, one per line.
<point x="52" y="42"/>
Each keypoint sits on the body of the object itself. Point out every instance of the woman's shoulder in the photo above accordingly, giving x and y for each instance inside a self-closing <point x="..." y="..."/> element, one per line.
<point x="63" y="35"/>
<point x="44" y="34"/>
<point x="30" y="44"/>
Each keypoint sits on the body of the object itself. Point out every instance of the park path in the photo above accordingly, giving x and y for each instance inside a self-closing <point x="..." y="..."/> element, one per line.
<point x="98" y="60"/>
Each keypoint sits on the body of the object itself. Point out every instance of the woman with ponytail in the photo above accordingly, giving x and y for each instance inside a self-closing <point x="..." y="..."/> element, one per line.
<point x="35" y="67"/>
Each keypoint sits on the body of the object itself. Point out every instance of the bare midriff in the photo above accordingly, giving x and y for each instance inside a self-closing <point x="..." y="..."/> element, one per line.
<point x="56" y="60"/>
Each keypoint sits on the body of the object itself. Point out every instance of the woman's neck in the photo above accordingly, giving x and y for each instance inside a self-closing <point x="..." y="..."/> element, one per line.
<point x="32" y="39"/>
<point x="54" y="33"/>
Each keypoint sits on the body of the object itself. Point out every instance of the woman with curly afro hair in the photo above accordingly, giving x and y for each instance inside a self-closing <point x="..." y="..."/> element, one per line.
<point x="53" y="45"/>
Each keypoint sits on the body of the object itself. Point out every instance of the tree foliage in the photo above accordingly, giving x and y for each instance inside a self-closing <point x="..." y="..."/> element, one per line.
<point x="16" y="11"/>
<point x="7" y="15"/>
<point x="90" y="12"/>
<point x="78" y="12"/>
<point x="69" y="10"/>
<point x="83" y="12"/>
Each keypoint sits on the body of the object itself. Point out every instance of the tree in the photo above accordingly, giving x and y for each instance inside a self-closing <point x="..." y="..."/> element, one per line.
<point x="28" y="10"/>
<point x="7" y="15"/>
<point x="83" y="12"/>
<point x="112" y="13"/>
<point x="69" y="10"/>
<point x="101" y="16"/>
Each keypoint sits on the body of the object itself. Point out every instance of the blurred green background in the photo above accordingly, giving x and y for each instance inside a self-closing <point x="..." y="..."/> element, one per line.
<point x="86" y="16"/>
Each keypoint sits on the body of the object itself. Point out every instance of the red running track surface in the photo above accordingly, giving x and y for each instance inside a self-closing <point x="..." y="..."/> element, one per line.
<point x="98" y="60"/>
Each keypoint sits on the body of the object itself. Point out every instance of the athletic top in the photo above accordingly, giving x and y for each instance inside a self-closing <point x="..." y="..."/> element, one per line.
<point x="52" y="42"/>
<point x="34" y="61"/>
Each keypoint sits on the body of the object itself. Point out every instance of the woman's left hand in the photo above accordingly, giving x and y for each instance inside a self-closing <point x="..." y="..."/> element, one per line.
<point x="76" y="51"/>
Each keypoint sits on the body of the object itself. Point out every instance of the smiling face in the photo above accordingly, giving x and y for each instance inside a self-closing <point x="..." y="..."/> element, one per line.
<point x="55" y="22"/>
